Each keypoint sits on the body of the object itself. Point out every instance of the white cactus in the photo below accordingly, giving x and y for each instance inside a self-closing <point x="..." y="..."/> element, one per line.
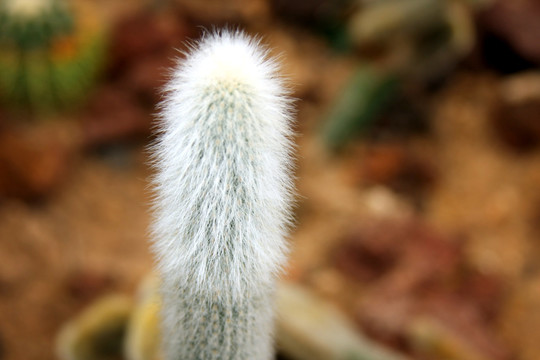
<point x="223" y="200"/>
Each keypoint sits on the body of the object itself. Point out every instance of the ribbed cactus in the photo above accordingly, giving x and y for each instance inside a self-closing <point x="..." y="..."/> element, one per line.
<point x="50" y="52"/>
<point x="223" y="200"/>
<point x="29" y="24"/>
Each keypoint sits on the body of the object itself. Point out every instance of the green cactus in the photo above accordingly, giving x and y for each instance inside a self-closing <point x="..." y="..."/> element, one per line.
<point x="49" y="56"/>
<point x="28" y="24"/>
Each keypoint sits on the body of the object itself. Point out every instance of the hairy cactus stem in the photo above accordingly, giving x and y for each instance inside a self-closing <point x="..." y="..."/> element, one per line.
<point x="222" y="207"/>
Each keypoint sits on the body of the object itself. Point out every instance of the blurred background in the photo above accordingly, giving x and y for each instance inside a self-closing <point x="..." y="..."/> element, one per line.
<point x="418" y="164"/>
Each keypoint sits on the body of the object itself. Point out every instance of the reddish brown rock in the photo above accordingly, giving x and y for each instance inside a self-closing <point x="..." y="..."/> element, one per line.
<point x="86" y="285"/>
<point x="383" y="163"/>
<point x="368" y="253"/>
<point x="410" y="272"/>
<point x="518" y="124"/>
<point x="33" y="163"/>
<point x="147" y="77"/>
<point x="516" y="22"/>
<point x="401" y="255"/>
<point x="397" y="165"/>
<point x="217" y="13"/>
<point x="145" y="34"/>
<point x="462" y="318"/>
<point x="114" y="115"/>
<point x="516" y="114"/>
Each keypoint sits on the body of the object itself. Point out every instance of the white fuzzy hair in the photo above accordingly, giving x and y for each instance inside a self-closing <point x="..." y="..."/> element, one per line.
<point x="223" y="195"/>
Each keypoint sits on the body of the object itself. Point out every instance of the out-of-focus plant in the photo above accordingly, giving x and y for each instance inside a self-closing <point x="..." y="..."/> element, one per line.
<point x="366" y="95"/>
<point x="50" y="52"/>
<point x="418" y="41"/>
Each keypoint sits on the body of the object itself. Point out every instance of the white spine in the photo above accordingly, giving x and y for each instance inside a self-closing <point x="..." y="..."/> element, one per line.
<point x="222" y="205"/>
